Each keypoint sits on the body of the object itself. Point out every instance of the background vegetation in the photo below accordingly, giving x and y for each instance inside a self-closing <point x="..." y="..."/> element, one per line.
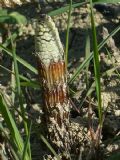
<point x="15" y="121"/>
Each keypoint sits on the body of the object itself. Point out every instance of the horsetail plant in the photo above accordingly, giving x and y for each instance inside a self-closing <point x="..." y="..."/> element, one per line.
<point x="51" y="67"/>
<point x="62" y="133"/>
<point x="52" y="72"/>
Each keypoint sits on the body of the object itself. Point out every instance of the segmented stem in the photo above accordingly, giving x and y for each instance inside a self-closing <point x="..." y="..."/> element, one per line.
<point x="52" y="73"/>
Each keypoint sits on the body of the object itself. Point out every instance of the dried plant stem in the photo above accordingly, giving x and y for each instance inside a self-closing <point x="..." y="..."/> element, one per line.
<point x="63" y="134"/>
<point x="51" y="68"/>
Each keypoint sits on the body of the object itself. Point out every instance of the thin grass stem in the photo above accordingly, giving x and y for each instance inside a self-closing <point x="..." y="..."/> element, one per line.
<point x="96" y="64"/>
<point x="19" y="92"/>
<point x="67" y="33"/>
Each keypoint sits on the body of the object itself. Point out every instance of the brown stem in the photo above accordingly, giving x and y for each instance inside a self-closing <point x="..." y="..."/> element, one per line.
<point x="63" y="134"/>
<point x="51" y="69"/>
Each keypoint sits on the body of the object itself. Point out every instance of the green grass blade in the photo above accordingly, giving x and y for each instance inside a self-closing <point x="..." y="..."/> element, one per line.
<point x="50" y="147"/>
<point x="27" y="143"/>
<point x="86" y="61"/>
<point x="15" y="135"/>
<point x="16" y="68"/>
<point x="18" y="87"/>
<point x="64" y="9"/>
<point x="87" y="53"/>
<point x="96" y="65"/>
<point x="67" y="33"/>
<point x="32" y="84"/>
<point x="106" y="1"/>
<point x="13" y="84"/>
<point x="20" y="60"/>
<point x="8" y="41"/>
